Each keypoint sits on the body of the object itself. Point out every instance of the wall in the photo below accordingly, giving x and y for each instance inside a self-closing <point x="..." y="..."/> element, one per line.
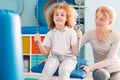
<point x="28" y="15"/>
<point x="89" y="19"/>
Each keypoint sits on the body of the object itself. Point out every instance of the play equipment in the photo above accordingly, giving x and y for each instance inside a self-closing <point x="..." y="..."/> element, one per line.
<point x="11" y="60"/>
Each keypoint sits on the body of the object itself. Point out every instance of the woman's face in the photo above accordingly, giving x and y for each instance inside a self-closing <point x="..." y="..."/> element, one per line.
<point x="101" y="21"/>
<point x="59" y="17"/>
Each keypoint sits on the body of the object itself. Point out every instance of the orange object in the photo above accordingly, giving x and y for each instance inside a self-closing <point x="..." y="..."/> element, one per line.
<point x="34" y="45"/>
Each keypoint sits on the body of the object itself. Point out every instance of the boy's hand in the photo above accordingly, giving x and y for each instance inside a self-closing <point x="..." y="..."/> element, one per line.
<point x="79" y="33"/>
<point x="37" y="37"/>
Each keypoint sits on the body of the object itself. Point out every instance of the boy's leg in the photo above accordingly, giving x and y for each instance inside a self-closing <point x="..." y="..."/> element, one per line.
<point x="66" y="67"/>
<point x="50" y="67"/>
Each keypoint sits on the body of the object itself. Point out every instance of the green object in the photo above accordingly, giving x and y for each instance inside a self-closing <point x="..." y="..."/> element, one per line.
<point x="31" y="79"/>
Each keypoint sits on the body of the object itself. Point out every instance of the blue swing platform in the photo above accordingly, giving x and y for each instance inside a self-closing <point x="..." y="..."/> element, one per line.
<point x="76" y="73"/>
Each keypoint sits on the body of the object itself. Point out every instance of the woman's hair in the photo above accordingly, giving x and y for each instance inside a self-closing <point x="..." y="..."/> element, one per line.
<point x="71" y="15"/>
<point x="108" y="12"/>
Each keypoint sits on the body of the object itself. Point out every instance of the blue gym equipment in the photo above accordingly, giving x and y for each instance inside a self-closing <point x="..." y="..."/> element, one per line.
<point x="11" y="59"/>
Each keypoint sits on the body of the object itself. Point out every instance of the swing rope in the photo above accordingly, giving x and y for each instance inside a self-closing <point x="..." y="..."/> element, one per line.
<point x="37" y="50"/>
<point x="37" y="33"/>
<point x="78" y="27"/>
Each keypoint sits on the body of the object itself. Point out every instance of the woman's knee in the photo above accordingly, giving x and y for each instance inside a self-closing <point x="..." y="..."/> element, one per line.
<point x="101" y="74"/>
<point x="115" y="76"/>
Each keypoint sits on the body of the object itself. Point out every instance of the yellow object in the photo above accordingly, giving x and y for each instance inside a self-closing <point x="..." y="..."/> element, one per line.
<point x="26" y="44"/>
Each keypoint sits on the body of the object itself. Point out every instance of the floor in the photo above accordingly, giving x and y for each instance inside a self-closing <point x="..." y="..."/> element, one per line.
<point x="89" y="77"/>
<point x="36" y="75"/>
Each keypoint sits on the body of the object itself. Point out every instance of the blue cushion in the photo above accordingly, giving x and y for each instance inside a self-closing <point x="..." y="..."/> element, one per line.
<point x="76" y="73"/>
<point x="34" y="29"/>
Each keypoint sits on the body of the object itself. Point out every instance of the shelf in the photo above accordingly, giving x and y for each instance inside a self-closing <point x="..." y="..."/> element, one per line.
<point x="77" y="6"/>
<point x="29" y="51"/>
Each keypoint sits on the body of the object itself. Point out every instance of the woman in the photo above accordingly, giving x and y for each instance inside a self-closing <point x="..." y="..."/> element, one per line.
<point x="105" y="45"/>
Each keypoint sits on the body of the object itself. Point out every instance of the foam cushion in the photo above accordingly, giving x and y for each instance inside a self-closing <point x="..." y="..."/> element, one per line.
<point x="34" y="29"/>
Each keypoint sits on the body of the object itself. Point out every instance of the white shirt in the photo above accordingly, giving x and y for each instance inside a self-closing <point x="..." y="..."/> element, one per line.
<point x="61" y="41"/>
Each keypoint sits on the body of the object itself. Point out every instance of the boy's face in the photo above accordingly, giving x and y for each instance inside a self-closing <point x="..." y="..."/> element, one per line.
<point x="59" y="17"/>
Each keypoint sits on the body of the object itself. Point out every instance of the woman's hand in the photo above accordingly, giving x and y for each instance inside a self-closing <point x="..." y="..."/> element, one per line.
<point x="79" y="33"/>
<point x="85" y="68"/>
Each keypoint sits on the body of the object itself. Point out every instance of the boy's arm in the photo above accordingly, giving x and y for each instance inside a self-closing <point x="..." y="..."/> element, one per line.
<point x="75" y="49"/>
<point x="44" y="49"/>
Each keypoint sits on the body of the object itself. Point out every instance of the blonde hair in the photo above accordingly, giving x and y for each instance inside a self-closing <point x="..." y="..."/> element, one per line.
<point x="108" y="12"/>
<point x="71" y="15"/>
